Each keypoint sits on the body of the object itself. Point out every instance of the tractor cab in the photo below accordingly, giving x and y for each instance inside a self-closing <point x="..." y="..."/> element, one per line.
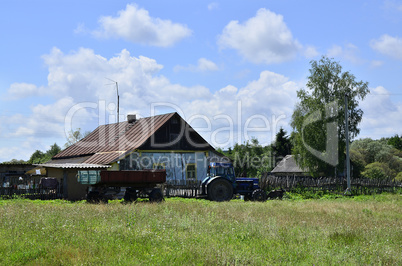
<point x="224" y="170"/>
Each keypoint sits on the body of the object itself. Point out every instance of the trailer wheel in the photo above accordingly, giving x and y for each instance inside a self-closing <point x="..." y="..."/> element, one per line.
<point x="93" y="197"/>
<point x="104" y="200"/>
<point x="156" y="195"/>
<point x="220" y="190"/>
<point x="247" y="197"/>
<point x="259" y="195"/>
<point x="130" y="195"/>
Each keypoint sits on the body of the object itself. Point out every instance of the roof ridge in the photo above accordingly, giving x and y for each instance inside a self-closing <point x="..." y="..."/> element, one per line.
<point x="140" y="118"/>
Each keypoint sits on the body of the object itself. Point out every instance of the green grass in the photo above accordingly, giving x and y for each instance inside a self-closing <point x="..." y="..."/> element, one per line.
<point x="360" y="230"/>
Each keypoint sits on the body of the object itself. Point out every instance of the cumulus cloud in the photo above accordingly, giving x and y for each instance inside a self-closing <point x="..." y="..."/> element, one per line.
<point x="213" y="6"/>
<point x="348" y="52"/>
<point x="77" y="82"/>
<point x="136" y="25"/>
<point x="203" y="65"/>
<point x="23" y="90"/>
<point x="376" y="63"/>
<point x="388" y="45"/>
<point x="382" y="116"/>
<point x="83" y="74"/>
<point x="256" y="110"/>
<point x="311" y="52"/>
<point x="264" y="38"/>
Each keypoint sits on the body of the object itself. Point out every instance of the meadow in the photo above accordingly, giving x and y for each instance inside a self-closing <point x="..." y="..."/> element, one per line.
<point x="359" y="230"/>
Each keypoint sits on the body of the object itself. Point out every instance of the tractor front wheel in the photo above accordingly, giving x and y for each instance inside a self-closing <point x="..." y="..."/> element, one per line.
<point x="220" y="190"/>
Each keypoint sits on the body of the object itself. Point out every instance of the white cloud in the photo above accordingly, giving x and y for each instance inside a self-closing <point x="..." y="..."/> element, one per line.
<point x="45" y="121"/>
<point x="349" y="52"/>
<point x="388" y="45"/>
<point x="213" y="6"/>
<point x="376" y="63"/>
<point x="263" y="105"/>
<point x="23" y="90"/>
<point x="311" y="52"/>
<point x="393" y="5"/>
<point x="264" y="38"/>
<point x="203" y="65"/>
<point x="382" y="116"/>
<point x="82" y="74"/>
<point x="136" y="25"/>
<point x="78" y="78"/>
<point x="15" y="152"/>
<point x="81" y="29"/>
<point x="206" y="65"/>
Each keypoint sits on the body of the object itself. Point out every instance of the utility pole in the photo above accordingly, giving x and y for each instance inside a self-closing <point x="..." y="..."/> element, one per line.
<point x="348" y="190"/>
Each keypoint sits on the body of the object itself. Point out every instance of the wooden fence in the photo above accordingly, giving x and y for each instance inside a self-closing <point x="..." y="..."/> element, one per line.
<point x="358" y="186"/>
<point x="30" y="193"/>
<point x="191" y="188"/>
<point x="182" y="188"/>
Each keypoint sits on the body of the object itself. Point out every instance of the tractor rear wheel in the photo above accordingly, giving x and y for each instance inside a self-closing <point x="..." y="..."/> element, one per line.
<point x="220" y="190"/>
<point x="259" y="195"/>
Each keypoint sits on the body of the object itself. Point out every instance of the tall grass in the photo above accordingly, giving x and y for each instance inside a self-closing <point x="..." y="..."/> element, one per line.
<point x="362" y="230"/>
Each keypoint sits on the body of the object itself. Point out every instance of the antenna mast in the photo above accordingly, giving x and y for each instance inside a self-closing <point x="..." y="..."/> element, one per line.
<point x="117" y="91"/>
<point x="118" y="112"/>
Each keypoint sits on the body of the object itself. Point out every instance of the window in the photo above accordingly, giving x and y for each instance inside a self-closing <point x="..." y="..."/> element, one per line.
<point x="159" y="166"/>
<point x="191" y="173"/>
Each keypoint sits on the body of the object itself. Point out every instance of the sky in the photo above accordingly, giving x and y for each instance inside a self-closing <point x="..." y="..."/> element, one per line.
<point x="230" y="68"/>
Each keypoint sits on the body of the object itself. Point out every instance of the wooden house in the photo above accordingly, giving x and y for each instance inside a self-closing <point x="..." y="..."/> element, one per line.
<point x="163" y="141"/>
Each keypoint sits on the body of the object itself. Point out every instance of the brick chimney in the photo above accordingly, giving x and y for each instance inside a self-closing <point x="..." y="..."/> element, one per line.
<point x="131" y="118"/>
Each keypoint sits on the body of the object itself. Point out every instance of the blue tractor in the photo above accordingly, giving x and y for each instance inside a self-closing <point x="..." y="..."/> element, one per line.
<point x="221" y="184"/>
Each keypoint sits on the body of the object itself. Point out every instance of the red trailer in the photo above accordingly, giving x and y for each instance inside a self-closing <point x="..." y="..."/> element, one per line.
<point x="106" y="185"/>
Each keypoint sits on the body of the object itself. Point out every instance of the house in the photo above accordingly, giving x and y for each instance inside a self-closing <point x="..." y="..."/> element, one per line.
<point x="288" y="167"/>
<point x="162" y="141"/>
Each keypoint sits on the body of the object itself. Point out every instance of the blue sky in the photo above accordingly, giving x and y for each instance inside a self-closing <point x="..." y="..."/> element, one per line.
<point x="230" y="68"/>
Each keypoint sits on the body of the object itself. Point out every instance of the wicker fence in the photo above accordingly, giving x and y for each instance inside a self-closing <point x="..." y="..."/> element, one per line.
<point x="358" y="186"/>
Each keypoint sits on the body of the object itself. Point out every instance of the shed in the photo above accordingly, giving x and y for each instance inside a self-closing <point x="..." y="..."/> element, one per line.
<point x="288" y="167"/>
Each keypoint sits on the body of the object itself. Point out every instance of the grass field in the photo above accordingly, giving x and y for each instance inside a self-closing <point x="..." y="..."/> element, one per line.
<point x="360" y="230"/>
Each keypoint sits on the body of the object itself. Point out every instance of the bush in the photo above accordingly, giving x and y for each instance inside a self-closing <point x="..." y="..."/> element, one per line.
<point x="399" y="177"/>
<point x="378" y="170"/>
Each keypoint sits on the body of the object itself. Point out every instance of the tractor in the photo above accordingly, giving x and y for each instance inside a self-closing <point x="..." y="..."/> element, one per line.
<point x="221" y="184"/>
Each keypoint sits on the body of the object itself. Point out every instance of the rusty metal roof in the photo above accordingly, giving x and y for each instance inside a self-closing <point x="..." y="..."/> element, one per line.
<point x="80" y="159"/>
<point x="288" y="165"/>
<point x="106" y="141"/>
<point x="73" y="165"/>
<point x="104" y="157"/>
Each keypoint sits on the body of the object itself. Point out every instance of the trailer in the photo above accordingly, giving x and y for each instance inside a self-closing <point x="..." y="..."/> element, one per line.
<point x="130" y="185"/>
